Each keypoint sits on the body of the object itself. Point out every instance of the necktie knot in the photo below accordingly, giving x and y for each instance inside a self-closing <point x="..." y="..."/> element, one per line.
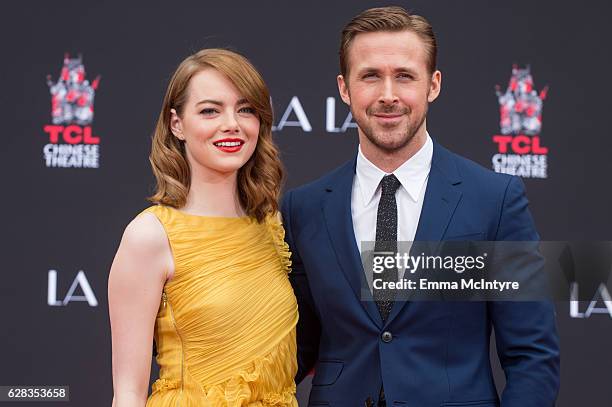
<point x="389" y="184"/>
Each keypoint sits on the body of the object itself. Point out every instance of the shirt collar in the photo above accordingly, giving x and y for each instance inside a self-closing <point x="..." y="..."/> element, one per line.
<point x="411" y="174"/>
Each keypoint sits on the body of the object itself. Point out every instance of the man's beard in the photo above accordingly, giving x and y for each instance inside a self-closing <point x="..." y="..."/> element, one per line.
<point x="395" y="139"/>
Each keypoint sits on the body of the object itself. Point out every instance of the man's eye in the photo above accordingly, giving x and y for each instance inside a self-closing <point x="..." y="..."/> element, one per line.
<point x="248" y="110"/>
<point x="208" y="111"/>
<point x="370" y="75"/>
<point x="404" y="76"/>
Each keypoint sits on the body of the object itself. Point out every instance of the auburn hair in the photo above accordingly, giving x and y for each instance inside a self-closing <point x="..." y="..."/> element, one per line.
<point x="259" y="179"/>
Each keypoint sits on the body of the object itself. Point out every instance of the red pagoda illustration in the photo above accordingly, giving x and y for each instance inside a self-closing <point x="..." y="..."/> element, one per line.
<point x="72" y="96"/>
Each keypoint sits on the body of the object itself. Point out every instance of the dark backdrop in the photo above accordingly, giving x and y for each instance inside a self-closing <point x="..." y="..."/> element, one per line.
<point x="71" y="219"/>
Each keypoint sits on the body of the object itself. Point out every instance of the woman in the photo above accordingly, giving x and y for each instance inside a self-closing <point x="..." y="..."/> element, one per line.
<point x="204" y="272"/>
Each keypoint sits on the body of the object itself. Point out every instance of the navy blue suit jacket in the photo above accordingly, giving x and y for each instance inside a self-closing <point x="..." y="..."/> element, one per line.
<point x="439" y="352"/>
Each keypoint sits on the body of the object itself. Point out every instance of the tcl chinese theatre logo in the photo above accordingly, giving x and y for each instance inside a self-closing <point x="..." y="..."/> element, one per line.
<point x="71" y="139"/>
<point x="520" y="150"/>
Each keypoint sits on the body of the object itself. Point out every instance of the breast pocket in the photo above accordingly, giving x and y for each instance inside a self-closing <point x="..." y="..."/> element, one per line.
<point x="479" y="403"/>
<point x="327" y="372"/>
<point x="476" y="236"/>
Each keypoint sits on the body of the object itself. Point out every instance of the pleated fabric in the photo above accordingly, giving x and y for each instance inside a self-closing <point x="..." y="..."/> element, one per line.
<point x="225" y="329"/>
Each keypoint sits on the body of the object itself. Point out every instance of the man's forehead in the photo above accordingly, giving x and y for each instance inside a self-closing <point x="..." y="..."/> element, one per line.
<point x="368" y="48"/>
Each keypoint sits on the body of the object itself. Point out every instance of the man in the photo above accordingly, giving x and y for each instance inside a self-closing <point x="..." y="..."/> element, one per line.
<point x="402" y="186"/>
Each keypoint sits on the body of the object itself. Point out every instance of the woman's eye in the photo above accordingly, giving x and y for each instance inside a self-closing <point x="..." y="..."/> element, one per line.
<point x="208" y="111"/>
<point x="248" y="110"/>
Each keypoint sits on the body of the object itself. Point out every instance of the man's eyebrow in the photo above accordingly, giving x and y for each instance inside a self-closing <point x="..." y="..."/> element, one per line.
<point x="406" y="69"/>
<point x="395" y="70"/>
<point x="367" y="69"/>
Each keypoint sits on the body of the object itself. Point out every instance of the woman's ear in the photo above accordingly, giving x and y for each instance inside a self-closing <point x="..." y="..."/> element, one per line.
<point x="176" y="125"/>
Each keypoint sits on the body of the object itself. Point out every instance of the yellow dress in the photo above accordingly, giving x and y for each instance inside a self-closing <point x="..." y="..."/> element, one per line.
<point x="225" y="329"/>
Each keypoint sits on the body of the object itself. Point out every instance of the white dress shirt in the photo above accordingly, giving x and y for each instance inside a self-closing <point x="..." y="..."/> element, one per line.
<point x="412" y="175"/>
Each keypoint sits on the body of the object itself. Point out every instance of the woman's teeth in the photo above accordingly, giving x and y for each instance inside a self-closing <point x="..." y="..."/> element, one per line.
<point x="228" y="144"/>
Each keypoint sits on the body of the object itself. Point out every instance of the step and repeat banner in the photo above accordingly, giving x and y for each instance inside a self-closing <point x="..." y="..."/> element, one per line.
<point x="524" y="91"/>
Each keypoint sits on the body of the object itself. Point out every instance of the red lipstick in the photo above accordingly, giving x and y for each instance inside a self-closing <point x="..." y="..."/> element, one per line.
<point x="229" y="145"/>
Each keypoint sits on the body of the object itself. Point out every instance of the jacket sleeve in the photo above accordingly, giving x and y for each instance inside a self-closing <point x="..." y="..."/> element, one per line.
<point x="308" y="326"/>
<point x="525" y="332"/>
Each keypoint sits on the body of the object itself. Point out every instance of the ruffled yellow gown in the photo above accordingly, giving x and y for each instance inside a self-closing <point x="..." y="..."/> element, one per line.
<point x="225" y="330"/>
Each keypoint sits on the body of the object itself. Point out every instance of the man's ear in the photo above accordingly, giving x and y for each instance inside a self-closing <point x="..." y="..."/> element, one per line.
<point x="343" y="90"/>
<point x="176" y="125"/>
<point x="434" y="86"/>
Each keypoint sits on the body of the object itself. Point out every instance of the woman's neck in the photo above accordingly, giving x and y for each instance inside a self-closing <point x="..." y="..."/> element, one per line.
<point x="214" y="194"/>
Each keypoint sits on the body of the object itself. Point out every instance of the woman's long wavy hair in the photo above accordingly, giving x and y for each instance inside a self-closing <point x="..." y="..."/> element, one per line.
<point x="259" y="179"/>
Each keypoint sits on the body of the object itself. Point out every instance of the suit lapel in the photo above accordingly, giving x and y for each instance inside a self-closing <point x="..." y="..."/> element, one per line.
<point x="339" y="222"/>
<point x="441" y="199"/>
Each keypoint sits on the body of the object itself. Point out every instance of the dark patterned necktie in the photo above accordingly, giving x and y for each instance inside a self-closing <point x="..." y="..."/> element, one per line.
<point x="386" y="240"/>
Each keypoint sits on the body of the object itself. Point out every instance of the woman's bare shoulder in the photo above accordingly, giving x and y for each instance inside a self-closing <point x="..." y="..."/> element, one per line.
<point x="145" y="232"/>
<point x="144" y="246"/>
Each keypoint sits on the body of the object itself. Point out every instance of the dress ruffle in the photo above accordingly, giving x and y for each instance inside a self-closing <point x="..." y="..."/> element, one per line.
<point x="165" y="384"/>
<point x="247" y="384"/>
<point x="278" y="235"/>
<point x="250" y="383"/>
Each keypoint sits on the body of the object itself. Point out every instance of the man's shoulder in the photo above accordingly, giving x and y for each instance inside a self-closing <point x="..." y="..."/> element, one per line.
<point x="471" y="173"/>
<point x="314" y="190"/>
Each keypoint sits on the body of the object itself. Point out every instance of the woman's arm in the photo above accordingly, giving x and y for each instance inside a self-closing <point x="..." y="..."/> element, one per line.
<point x="142" y="265"/>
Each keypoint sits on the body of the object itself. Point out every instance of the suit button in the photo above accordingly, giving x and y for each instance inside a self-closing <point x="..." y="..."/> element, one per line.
<point x="386" y="337"/>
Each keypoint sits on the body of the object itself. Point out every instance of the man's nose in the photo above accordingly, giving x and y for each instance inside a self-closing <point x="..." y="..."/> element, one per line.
<point x="387" y="93"/>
